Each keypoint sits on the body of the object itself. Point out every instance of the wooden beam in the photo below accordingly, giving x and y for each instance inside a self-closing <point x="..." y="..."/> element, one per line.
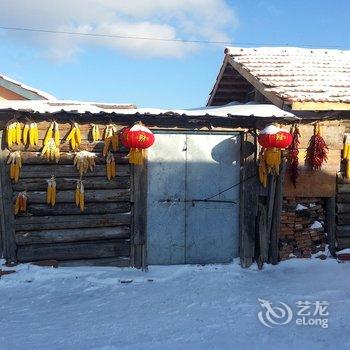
<point x="256" y="83"/>
<point x="6" y="206"/>
<point x="321" y="106"/>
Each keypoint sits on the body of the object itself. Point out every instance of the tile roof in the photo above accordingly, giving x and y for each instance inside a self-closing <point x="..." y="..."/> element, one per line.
<point x="297" y="74"/>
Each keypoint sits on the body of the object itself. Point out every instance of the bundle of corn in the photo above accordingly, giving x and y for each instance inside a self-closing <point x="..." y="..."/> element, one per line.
<point x="21" y="203"/>
<point x="110" y="165"/>
<point x="51" y="151"/>
<point x="53" y="132"/>
<point x="33" y="132"/>
<point x="293" y="155"/>
<point x="346" y="155"/>
<point x="74" y="137"/>
<point x="15" y="162"/>
<point x="316" y="153"/>
<point x="262" y="168"/>
<point x="13" y="133"/>
<point x="111" y="138"/>
<point x="273" y="160"/>
<point x="51" y="191"/>
<point x="95" y="131"/>
<point x="79" y="195"/>
<point x="84" y="161"/>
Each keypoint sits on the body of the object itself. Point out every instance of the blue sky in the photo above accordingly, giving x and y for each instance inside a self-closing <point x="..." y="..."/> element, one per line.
<point x="152" y="74"/>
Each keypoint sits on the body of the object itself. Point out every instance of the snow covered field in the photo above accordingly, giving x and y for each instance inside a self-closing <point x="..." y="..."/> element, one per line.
<point x="176" y="307"/>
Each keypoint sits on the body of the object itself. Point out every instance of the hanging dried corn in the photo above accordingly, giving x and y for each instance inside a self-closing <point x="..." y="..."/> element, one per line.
<point x="25" y="134"/>
<point x="79" y="195"/>
<point x="74" y="137"/>
<point x="50" y="151"/>
<point x="346" y="154"/>
<point x="21" y="203"/>
<point x="137" y="138"/>
<point x="51" y="191"/>
<point x="84" y="161"/>
<point x="95" y="132"/>
<point x="110" y="166"/>
<point x="33" y="134"/>
<point x="111" y="139"/>
<point x="316" y="153"/>
<point x="294" y="155"/>
<point x="15" y="162"/>
<point x="262" y="168"/>
<point x="13" y="133"/>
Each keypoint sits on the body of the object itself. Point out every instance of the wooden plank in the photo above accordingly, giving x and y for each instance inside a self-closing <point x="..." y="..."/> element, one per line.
<point x="34" y="223"/>
<point x="139" y="214"/>
<point x="117" y="262"/>
<point x="71" y="235"/>
<point x="320" y="106"/>
<point x="277" y="211"/>
<point x="330" y="223"/>
<point x="343" y="219"/>
<point x="45" y="171"/>
<point x="264" y="235"/>
<point x="96" y="196"/>
<point x="73" y="250"/>
<point x="90" y="183"/>
<point x="343" y="231"/>
<point x="248" y="200"/>
<point x="8" y="245"/>
<point x="343" y="198"/>
<point x="345" y="188"/>
<point x="341" y="179"/>
<point x="72" y="209"/>
<point x="343" y="243"/>
<point x="343" y="208"/>
<point x="30" y="158"/>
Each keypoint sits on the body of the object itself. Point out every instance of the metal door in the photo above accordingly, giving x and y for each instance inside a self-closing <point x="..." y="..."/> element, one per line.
<point x="193" y="198"/>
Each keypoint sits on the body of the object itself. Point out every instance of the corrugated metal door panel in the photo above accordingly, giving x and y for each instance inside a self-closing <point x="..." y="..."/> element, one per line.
<point x="212" y="168"/>
<point x="166" y="195"/>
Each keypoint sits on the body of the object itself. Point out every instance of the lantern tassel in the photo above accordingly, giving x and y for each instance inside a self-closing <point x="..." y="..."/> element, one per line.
<point x="136" y="156"/>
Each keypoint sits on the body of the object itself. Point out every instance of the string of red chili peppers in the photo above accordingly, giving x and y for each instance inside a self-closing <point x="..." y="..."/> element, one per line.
<point x="294" y="155"/>
<point x="316" y="153"/>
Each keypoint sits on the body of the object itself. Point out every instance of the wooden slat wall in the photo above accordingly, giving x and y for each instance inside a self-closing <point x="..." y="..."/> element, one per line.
<point x="100" y="235"/>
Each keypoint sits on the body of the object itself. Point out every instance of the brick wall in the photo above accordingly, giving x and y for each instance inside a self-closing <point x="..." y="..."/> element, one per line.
<point x="302" y="228"/>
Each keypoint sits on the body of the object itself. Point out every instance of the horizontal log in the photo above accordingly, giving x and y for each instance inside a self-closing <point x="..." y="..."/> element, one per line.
<point x="72" y="209"/>
<point x="343" y="231"/>
<point x="343" y="219"/>
<point x="341" y="179"/>
<point x="116" y="195"/>
<point x="343" y="243"/>
<point x="343" y="208"/>
<point x="34" y="223"/>
<point x="343" y="198"/>
<point x="117" y="262"/>
<point x="90" y="183"/>
<point x="343" y="188"/>
<point x="65" y="147"/>
<point x="30" y="158"/>
<point x="74" y="250"/>
<point x="45" y="171"/>
<point x="71" y="235"/>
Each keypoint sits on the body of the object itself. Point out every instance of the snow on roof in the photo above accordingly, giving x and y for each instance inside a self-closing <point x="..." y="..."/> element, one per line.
<point x="233" y="109"/>
<point x="297" y="74"/>
<point x="37" y="92"/>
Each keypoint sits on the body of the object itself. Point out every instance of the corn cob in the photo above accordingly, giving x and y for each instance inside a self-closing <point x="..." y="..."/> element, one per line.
<point x="21" y="203"/>
<point x="51" y="191"/>
<point x="84" y="161"/>
<point x="110" y="138"/>
<point x="25" y="133"/>
<point x="18" y="133"/>
<point x="110" y="166"/>
<point x="50" y="151"/>
<point x="12" y="136"/>
<point x="56" y="134"/>
<point x="33" y="134"/>
<point x="15" y="162"/>
<point x="79" y="195"/>
<point x="48" y="135"/>
<point x="95" y="131"/>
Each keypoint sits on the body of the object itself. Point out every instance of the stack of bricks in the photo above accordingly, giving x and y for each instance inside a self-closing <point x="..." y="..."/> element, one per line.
<point x="302" y="228"/>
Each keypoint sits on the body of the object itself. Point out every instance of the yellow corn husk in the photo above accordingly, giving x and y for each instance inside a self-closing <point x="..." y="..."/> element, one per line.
<point x="31" y="135"/>
<point x="113" y="168"/>
<point x="77" y="194"/>
<point x="12" y="171"/>
<point x="77" y="134"/>
<point x="18" y="133"/>
<point x="16" y="174"/>
<point x="97" y="133"/>
<point x="56" y="134"/>
<point x="25" y="134"/>
<point x="53" y="193"/>
<point x="71" y="134"/>
<point x="115" y="141"/>
<point x="73" y="143"/>
<point x="49" y="134"/>
<point x="36" y="134"/>
<point x="106" y="146"/>
<point x="49" y="192"/>
<point x="81" y="197"/>
<point x="16" y="206"/>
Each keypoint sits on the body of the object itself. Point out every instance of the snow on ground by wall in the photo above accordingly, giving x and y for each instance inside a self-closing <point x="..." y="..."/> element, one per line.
<point x="173" y="307"/>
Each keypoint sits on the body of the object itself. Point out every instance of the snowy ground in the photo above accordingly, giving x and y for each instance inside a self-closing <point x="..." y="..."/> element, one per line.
<point x="178" y="307"/>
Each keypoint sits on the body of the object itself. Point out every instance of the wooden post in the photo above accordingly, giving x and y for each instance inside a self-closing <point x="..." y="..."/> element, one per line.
<point x="6" y="206"/>
<point x="276" y="216"/>
<point x="330" y="223"/>
<point x="139" y="215"/>
<point x="248" y="200"/>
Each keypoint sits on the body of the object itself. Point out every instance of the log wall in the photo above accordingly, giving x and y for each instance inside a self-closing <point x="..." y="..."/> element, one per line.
<point x="100" y="235"/>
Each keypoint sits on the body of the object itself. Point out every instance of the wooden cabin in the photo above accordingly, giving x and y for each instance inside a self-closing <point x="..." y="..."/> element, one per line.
<point x="313" y="84"/>
<point x="190" y="202"/>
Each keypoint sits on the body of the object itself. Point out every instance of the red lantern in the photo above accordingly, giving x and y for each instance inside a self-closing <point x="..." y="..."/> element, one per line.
<point x="137" y="138"/>
<point x="273" y="137"/>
